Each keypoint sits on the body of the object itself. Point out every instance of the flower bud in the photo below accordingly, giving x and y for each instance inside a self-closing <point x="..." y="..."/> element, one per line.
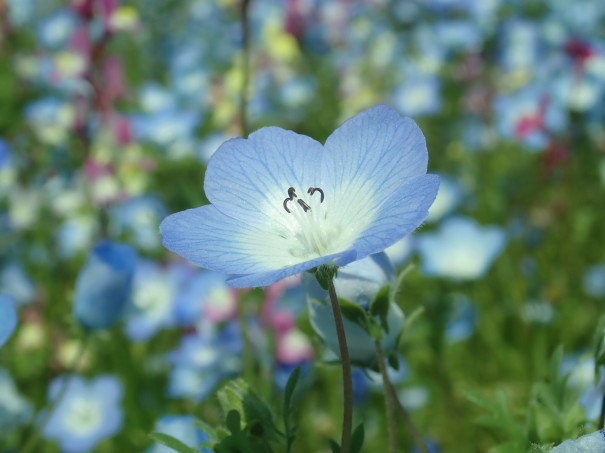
<point x="104" y="285"/>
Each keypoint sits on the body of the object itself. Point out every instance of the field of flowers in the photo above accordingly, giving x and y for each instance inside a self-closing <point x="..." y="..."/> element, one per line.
<point x="486" y="317"/>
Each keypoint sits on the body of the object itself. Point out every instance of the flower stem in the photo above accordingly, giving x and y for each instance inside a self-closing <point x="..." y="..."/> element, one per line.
<point x="243" y="101"/>
<point x="389" y="398"/>
<point x="347" y="380"/>
<point x="408" y="421"/>
<point x="35" y="436"/>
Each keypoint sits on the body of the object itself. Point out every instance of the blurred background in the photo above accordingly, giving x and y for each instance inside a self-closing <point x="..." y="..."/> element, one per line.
<point x="109" y="112"/>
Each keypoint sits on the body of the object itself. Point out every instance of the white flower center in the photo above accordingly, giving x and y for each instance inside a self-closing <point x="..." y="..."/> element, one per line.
<point x="83" y="415"/>
<point x="314" y="224"/>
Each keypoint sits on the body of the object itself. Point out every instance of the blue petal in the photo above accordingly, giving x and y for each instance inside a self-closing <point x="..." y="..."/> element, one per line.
<point x="399" y="215"/>
<point x="249" y="179"/>
<point x="377" y="145"/>
<point x="8" y="318"/>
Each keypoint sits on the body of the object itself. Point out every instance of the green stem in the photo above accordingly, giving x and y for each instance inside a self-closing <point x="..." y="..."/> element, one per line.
<point x="243" y="101"/>
<point x="248" y="352"/>
<point x="389" y="398"/>
<point x="602" y="417"/>
<point x="418" y="440"/>
<point x="347" y="380"/>
<point x="35" y="436"/>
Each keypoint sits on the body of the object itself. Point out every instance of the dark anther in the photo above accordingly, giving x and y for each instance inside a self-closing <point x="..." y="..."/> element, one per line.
<point x="291" y="196"/>
<point x="312" y="190"/>
<point x="304" y="205"/>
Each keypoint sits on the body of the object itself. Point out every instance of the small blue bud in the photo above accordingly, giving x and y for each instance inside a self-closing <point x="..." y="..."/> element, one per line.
<point x="104" y="284"/>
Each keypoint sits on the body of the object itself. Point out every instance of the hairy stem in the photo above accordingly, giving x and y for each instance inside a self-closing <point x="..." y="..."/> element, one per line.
<point x="418" y="440"/>
<point x="389" y="399"/>
<point x="347" y="380"/>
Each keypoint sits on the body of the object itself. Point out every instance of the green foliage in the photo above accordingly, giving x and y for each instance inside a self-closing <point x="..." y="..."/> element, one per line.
<point x="379" y="307"/>
<point x="552" y="413"/>
<point x="173" y="443"/>
<point x="288" y="393"/>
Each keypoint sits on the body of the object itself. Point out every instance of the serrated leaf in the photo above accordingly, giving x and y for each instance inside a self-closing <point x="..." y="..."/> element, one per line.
<point x="173" y="443"/>
<point x="357" y="439"/>
<point x="379" y="307"/>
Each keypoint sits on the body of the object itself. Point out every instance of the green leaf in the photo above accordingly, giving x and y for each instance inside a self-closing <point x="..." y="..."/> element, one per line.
<point x="173" y="443"/>
<point x="397" y="288"/>
<point x="234" y="421"/>
<point x="355" y="313"/>
<point x="599" y="350"/>
<point x="239" y="396"/>
<point x="379" y="306"/>
<point x="357" y="439"/>
<point x="289" y="391"/>
<point x="393" y="361"/>
<point x="334" y="446"/>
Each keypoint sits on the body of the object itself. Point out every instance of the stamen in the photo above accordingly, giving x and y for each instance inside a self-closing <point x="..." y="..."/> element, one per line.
<point x="304" y="205"/>
<point x="312" y="190"/>
<point x="291" y="196"/>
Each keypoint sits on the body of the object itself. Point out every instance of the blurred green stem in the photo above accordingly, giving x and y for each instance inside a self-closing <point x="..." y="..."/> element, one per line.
<point x="35" y="436"/>
<point x="389" y="398"/>
<point x="243" y="101"/>
<point x="407" y="420"/>
<point x="602" y="417"/>
<point x="347" y="380"/>
<point x="248" y="352"/>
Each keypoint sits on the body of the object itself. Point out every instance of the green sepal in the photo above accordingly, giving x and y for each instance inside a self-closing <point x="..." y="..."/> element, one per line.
<point x="325" y="274"/>
<point x="334" y="446"/>
<point x="379" y="307"/>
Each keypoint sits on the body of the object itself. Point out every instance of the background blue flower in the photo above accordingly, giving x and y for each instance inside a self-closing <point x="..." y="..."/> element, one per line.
<point x="8" y="318"/>
<point x="104" y="284"/>
<point x="88" y="412"/>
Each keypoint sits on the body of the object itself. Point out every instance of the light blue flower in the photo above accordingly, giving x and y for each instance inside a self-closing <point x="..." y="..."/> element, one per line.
<point x="86" y="414"/>
<point x="581" y="371"/>
<point x="461" y="249"/>
<point x="449" y="196"/>
<point x="8" y="317"/>
<point x="357" y="282"/>
<point x="462" y="320"/>
<point x="154" y="292"/>
<point x="54" y="31"/>
<point x="182" y="428"/>
<point x="138" y="217"/>
<point x="283" y="204"/>
<point x="418" y="95"/>
<point x="16" y="283"/>
<point x="203" y="360"/>
<point x="593" y="282"/>
<point x="530" y="116"/>
<point x="15" y="410"/>
<point x="104" y="284"/>
<point x="590" y="443"/>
